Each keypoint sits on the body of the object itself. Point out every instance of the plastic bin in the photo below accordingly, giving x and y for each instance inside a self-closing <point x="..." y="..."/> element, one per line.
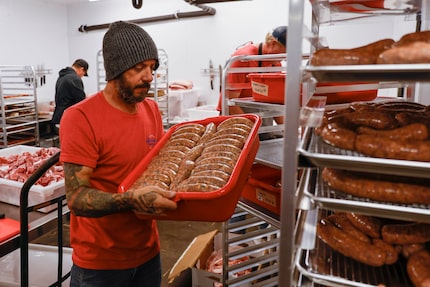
<point x="268" y="87"/>
<point x="43" y="264"/>
<point x="10" y="190"/>
<point x="263" y="188"/>
<point x="339" y="93"/>
<point x="217" y="205"/>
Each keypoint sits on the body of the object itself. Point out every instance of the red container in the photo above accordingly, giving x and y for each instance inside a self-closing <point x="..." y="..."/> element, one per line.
<point x="217" y="205"/>
<point x="348" y="92"/>
<point x="268" y="87"/>
<point x="263" y="188"/>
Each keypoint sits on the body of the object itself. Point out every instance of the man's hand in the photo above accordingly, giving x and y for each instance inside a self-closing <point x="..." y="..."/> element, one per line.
<point x="152" y="200"/>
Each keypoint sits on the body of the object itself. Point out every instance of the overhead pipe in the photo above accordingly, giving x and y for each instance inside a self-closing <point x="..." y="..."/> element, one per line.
<point x="205" y="11"/>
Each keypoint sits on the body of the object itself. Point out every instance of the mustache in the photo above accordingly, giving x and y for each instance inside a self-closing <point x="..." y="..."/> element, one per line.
<point x="144" y="85"/>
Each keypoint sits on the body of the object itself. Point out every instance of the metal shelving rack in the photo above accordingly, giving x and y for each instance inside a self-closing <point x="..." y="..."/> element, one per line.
<point x="313" y="198"/>
<point x="19" y="113"/>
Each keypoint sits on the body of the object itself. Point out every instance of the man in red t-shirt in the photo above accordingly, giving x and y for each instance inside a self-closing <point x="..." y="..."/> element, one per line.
<point x="275" y="43"/>
<point x="103" y="138"/>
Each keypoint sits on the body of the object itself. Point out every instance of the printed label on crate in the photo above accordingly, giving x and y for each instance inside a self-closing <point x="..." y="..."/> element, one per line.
<point x="265" y="197"/>
<point x="260" y="88"/>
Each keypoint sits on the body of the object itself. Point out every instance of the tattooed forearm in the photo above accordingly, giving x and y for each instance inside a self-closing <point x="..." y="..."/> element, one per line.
<point x="86" y="201"/>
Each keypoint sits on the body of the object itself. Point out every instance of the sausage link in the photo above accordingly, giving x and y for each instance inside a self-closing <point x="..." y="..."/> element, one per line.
<point x="338" y="136"/>
<point x="340" y="220"/>
<point x="391" y="253"/>
<point x="367" y="224"/>
<point x="379" y="190"/>
<point x="409" y="233"/>
<point x="381" y="147"/>
<point x="235" y="120"/>
<point x="349" y="246"/>
<point x="414" y="131"/>
<point x="418" y="268"/>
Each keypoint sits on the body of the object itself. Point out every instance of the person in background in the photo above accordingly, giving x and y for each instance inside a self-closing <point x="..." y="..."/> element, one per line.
<point x="275" y="43"/>
<point x="69" y="90"/>
<point x="103" y="139"/>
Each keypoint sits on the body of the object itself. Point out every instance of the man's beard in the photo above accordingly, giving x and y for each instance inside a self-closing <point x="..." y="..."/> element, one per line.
<point x="126" y="92"/>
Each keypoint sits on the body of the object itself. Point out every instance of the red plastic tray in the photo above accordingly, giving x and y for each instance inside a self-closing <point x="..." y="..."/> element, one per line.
<point x="215" y="205"/>
<point x="8" y="228"/>
<point x="268" y="87"/>
<point x="261" y="188"/>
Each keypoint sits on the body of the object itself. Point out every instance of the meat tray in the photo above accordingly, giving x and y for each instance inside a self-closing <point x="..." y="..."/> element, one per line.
<point x="10" y="190"/>
<point x="323" y="265"/>
<point x="371" y="73"/>
<point x="323" y="196"/>
<point x="217" y="205"/>
<point x="322" y="154"/>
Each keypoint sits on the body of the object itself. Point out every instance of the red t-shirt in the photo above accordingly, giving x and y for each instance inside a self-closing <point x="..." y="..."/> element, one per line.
<point x="97" y="135"/>
<point x="248" y="49"/>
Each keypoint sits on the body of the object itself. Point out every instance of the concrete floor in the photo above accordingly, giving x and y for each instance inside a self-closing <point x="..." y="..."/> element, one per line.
<point x="175" y="236"/>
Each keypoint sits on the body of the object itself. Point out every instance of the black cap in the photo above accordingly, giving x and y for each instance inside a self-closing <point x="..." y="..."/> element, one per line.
<point x="280" y="34"/>
<point x="83" y="64"/>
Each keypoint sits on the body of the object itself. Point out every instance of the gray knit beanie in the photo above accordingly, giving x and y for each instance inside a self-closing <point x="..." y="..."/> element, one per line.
<point x="125" y="45"/>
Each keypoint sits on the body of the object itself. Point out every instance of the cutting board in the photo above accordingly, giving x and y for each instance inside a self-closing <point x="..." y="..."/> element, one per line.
<point x="8" y="228"/>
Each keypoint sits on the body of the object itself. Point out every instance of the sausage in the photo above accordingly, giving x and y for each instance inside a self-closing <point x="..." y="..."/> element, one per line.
<point x="376" y="119"/>
<point x="194" y="153"/>
<point x="212" y="180"/>
<point x="363" y="55"/>
<point x="367" y="224"/>
<point x="215" y="154"/>
<point x="414" y="131"/>
<point x="381" y="147"/>
<point x="338" y="136"/>
<point x="379" y="190"/>
<point x="408" y="233"/>
<point x="217" y="173"/>
<point x="197" y="187"/>
<point x="219" y="159"/>
<point x="222" y="147"/>
<point x="191" y="136"/>
<point x="173" y="154"/>
<point x="340" y="220"/>
<point x="408" y="249"/>
<point x="165" y="148"/>
<point x="391" y="253"/>
<point x="418" y="268"/>
<point x="181" y="141"/>
<point x="189" y="128"/>
<point x="400" y="106"/>
<point x="214" y="166"/>
<point x="413" y="53"/>
<point x="185" y="169"/>
<point x="421" y="36"/>
<point x="208" y="133"/>
<point x="232" y="130"/>
<point x="227" y="141"/>
<point x="238" y="137"/>
<point x="235" y="120"/>
<point x="406" y="118"/>
<point x="350" y="246"/>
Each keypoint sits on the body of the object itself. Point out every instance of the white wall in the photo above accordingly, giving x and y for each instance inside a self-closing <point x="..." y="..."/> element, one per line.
<point x="34" y="33"/>
<point x="190" y="43"/>
<point x="41" y="32"/>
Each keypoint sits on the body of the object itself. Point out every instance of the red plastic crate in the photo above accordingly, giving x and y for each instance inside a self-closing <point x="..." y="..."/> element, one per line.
<point x="346" y="93"/>
<point x="268" y="87"/>
<point x="262" y="188"/>
<point x="217" y="205"/>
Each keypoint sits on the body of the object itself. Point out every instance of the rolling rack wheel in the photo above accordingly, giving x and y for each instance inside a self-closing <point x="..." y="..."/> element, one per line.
<point x="25" y="209"/>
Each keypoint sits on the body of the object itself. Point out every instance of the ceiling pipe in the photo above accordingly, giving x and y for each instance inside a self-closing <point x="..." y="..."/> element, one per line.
<point x="205" y="11"/>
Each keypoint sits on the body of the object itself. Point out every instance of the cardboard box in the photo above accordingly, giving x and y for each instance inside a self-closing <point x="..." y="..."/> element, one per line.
<point x="188" y="269"/>
<point x="10" y="190"/>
